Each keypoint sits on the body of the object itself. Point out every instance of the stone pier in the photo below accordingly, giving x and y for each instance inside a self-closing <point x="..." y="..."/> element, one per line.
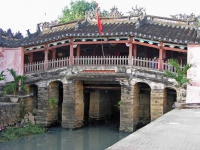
<point x="73" y="106"/>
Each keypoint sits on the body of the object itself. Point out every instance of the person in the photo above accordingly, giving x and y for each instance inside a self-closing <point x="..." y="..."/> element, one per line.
<point x="153" y="64"/>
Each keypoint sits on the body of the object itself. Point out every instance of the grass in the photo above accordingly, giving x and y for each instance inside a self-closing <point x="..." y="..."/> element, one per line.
<point x="13" y="133"/>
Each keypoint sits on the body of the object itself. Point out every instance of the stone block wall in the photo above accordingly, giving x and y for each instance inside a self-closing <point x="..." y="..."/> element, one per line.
<point x="52" y="109"/>
<point x="136" y="105"/>
<point x="144" y="107"/>
<point x="42" y="106"/>
<point x="94" y="110"/>
<point x="126" y="109"/>
<point x="9" y="114"/>
<point x="68" y="106"/>
<point x="31" y="102"/>
<point x="157" y="99"/>
<point x="73" y="106"/>
<point x="105" y="104"/>
<point x="79" y="104"/>
<point x="100" y="105"/>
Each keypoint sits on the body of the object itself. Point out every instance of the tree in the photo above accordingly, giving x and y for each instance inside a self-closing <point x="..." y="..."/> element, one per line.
<point x="180" y="77"/>
<point x="77" y="10"/>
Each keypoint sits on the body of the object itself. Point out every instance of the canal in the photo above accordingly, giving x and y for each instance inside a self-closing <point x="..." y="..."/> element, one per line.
<point x="95" y="137"/>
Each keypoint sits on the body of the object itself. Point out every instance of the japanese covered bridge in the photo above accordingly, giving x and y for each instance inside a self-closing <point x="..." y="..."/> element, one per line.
<point x="89" y="73"/>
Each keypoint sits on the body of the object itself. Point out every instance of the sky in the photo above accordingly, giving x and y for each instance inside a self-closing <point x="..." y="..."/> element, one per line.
<point x="20" y="15"/>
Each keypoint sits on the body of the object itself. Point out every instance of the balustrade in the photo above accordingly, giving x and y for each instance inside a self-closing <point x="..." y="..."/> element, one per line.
<point x="99" y="61"/>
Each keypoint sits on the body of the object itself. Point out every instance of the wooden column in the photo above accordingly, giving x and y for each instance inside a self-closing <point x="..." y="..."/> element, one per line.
<point x="134" y="52"/>
<point x="71" y="55"/>
<point x="160" y="56"/>
<point x="53" y="54"/>
<point x="78" y="51"/>
<point x="46" y="57"/>
<point x="164" y="54"/>
<point x="130" y="51"/>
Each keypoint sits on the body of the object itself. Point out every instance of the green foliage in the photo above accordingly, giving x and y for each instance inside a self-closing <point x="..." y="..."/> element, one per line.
<point x="19" y="82"/>
<point x="52" y="102"/>
<point x="180" y="76"/>
<point x="22" y="111"/>
<point x="12" y="133"/>
<point x="119" y="104"/>
<point x="2" y="76"/>
<point x="77" y="10"/>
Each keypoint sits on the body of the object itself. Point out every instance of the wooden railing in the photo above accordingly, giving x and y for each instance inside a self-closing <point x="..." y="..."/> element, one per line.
<point x="58" y="63"/>
<point x="145" y="62"/>
<point x="166" y="66"/>
<point x="98" y="61"/>
<point x="36" y="66"/>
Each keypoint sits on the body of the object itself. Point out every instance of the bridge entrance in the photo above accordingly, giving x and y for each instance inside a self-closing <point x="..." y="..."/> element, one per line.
<point x="101" y="101"/>
<point x="144" y="95"/>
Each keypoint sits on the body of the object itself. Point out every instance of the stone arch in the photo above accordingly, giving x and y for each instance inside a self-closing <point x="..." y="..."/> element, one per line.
<point x="54" y="110"/>
<point x="142" y="98"/>
<point x="32" y="101"/>
<point x="170" y="96"/>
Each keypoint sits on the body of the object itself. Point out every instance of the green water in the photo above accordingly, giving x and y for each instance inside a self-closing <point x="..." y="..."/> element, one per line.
<point x="97" y="137"/>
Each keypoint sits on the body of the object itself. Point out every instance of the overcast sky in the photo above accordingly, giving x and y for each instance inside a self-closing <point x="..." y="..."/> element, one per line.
<point x="20" y="15"/>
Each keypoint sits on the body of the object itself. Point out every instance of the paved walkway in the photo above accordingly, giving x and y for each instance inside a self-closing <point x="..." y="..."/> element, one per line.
<point x="176" y="130"/>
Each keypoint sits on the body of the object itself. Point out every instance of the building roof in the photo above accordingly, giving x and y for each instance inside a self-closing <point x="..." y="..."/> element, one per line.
<point x="180" y="29"/>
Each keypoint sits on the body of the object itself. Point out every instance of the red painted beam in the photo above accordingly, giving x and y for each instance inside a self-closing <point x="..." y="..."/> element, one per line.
<point x="57" y="46"/>
<point x="146" y="44"/>
<point x="174" y="49"/>
<point x="34" y="50"/>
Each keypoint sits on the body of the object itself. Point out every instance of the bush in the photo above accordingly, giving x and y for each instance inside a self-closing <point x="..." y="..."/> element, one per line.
<point x="15" y="132"/>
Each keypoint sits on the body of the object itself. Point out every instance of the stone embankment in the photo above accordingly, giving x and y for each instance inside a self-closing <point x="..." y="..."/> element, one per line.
<point x="9" y="112"/>
<point x="175" y="130"/>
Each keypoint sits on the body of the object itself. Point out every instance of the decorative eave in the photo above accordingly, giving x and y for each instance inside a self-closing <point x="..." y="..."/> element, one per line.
<point x="175" y="31"/>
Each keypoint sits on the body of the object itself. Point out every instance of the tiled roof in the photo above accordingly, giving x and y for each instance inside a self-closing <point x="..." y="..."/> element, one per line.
<point x="7" y="39"/>
<point x="170" y="30"/>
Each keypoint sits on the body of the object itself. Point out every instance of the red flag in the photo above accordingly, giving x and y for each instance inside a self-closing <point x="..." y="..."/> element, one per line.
<point x="98" y="21"/>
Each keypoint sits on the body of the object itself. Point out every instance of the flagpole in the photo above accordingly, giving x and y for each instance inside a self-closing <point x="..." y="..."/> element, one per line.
<point x="99" y="27"/>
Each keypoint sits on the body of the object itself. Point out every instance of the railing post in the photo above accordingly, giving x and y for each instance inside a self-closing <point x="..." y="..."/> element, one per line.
<point x="46" y="57"/>
<point x="71" y="56"/>
<point x="130" y="52"/>
<point x="160" y="56"/>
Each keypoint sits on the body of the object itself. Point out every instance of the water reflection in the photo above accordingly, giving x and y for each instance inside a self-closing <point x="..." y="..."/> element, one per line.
<point x="87" y="138"/>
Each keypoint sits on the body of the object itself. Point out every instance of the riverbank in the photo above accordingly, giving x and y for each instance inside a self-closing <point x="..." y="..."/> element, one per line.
<point x="20" y="130"/>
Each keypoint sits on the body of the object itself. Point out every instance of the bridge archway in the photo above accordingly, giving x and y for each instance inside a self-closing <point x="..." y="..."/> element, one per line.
<point x="101" y="101"/>
<point x="54" y="109"/>
<point x="32" y="101"/>
<point x="143" y="94"/>
<point x="170" y="95"/>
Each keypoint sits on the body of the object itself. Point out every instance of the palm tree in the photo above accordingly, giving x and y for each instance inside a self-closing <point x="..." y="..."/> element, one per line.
<point x="180" y="75"/>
